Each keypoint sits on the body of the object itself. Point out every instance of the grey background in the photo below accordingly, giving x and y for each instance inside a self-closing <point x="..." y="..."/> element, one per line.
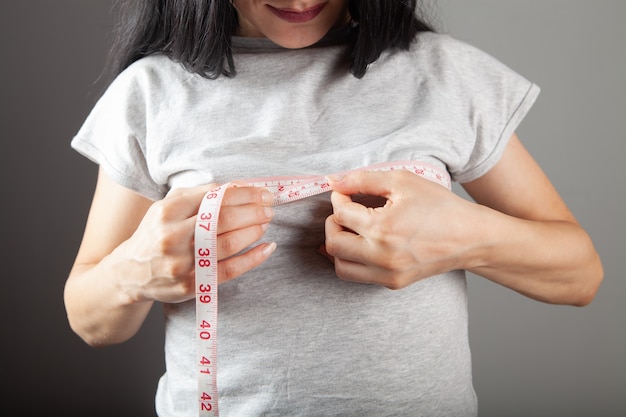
<point x="530" y="359"/>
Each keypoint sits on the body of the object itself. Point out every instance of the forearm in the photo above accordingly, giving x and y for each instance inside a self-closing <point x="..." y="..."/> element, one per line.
<point x="99" y="307"/>
<point x="551" y="261"/>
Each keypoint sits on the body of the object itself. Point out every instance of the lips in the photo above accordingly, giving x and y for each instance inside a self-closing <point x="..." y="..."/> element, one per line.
<point x="301" y="16"/>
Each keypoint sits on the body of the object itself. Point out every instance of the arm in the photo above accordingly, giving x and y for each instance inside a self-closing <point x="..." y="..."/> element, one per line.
<point x="519" y="233"/>
<point x="532" y="243"/>
<point x="135" y="251"/>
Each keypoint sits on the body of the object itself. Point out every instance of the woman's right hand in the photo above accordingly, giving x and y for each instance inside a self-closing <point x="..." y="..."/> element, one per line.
<point x="164" y="240"/>
<point x="135" y="251"/>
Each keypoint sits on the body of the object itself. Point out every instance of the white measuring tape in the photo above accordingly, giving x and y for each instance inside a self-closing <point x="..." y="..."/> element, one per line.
<point x="285" y="190"/>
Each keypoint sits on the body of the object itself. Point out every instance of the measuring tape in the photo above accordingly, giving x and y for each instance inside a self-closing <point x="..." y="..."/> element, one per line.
<point x="285" y="190"/>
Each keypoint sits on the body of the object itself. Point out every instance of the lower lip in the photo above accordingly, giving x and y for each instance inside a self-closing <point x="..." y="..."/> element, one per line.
<point x="298" y="17"/>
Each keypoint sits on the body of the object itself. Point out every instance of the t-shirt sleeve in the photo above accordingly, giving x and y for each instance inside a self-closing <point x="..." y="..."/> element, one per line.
<point x="114" y="134"/>
<point x="494" y="99"/>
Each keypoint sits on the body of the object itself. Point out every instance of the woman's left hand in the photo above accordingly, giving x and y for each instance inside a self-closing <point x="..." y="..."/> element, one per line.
<point x="422" y="230"/>
<point x="517" y="231"/>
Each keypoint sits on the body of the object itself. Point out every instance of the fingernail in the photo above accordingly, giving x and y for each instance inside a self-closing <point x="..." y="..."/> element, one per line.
<point x="322" y="251"/>
<point x="334" y="177"/>
<point x="269" y="248"/>
<point x="269" y="212"/>
<point x="265" y="226"/>
<point x="267" y="197"/>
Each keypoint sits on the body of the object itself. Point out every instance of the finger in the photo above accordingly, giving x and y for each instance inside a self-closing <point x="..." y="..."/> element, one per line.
<point x="367" y="274"/>
<point x="242" y="216"/>
<point x="188" y="200"/>
<point x="231" y="243"/>
<point x="354" y="271"/>
<point x="185" y="202"/>
<point x="351" y="215"/>
<point x="373" y="183"/>
<point x="237" y="265"/>
<point x="238" y="227"/>
<point x="247" y="195"/>
<point x="344" y="244"/>
<point x="193" y="191"/>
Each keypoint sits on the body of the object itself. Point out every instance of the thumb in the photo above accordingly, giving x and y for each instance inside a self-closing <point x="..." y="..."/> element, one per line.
<point x="373" y="183"/>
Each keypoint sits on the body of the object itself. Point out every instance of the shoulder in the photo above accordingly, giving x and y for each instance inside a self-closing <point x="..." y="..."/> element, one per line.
<point x="155" y="64"/>
<point x="152" y="69"/>
<point x="140" y="88"/>
<point x="146" y="79"/>
<point x="462" y="64"/>
<point x="444" y="49"/>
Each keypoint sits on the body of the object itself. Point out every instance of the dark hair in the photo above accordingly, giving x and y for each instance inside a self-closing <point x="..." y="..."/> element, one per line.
<point x="198" y="33"/>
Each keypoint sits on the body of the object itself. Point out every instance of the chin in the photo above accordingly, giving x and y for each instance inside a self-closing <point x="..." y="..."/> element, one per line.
<point x="296" y="40"/>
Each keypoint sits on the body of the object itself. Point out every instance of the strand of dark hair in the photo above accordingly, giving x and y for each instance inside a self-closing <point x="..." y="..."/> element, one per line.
<point x="198" y="33"/>
<point x="382" y="24"/>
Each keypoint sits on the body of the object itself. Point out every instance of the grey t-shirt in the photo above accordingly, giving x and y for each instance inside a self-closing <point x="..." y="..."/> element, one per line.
<point x="293" y="338"/>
